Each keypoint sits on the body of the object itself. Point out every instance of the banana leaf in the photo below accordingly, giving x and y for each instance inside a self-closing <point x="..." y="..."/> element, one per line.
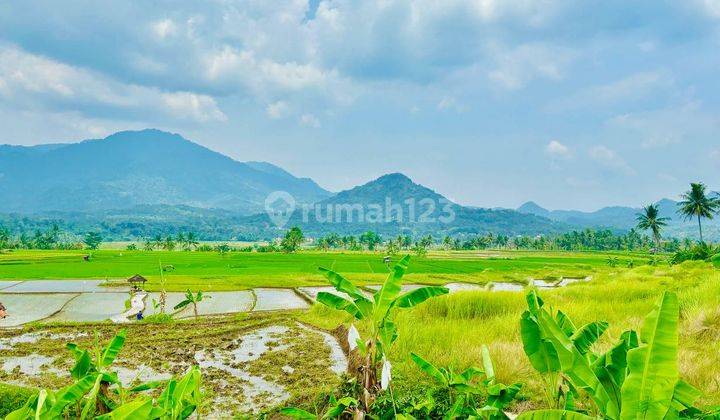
<point x="588" y="334"/>
<point x="112" y="349"/>
<point x="487" y="363"/>
<point x="648" y="390"/>
<point x="565" y="323"/>
<point x="339" y="303"/>
<point x="572" y="363"/>
<point x="611" y="367"/>
<point x="72" y="394"/>
<point x="342" y="284"/>
<point x="553" y="415"/>
<point x="297" y="413"/>
<point x="138" y="409"/>
<point x="540" y="352"/>
<point x="385" y="297"/>
<point x="430" y="369"/>
<point x="420" y="295"/>
<point x="684" y="396"/>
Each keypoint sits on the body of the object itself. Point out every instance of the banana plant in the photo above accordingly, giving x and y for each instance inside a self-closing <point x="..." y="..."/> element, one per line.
<point x="378" y="310"/>
<point x="467" y="391"/>
<point x="191" y="298"/>
<point x="635" y="379"/>
<point x="178" y="400"/>
<point x="337" y="408"/>
<point x="91" y="388"/>
<point x="90" y="395"/>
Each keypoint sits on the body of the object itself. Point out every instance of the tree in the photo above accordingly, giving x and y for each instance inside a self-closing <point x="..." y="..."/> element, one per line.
<point x="169" y="244"/>
<point x="158" y="241"/>
<point x="370" y="239"/>
<point x="695" y="203"/>
<point x="650" y="219"/>
<point x="292" y="240"/>
<point x="191" y="241"/>
<point x="148" y="244"/>
<point x="92" y="240"/>
<point x="4" y="237"/>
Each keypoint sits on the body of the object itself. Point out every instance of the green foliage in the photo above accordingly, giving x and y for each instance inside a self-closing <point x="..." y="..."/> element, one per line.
<point x="191" y="298"/>
<point x="634" y="379"/>
<point x="696" y="203"/>
<point x="97" y="392"/>
<point x="292" y="240"/>
<point x="471" y="396"/>
<point x="92" y="240"/>
<point x="370" y="239"/>
<point x="337" y="408"/>
<point x="698" y="252"/>
<point x="380" y="312"/>
<point x="650" y="219"/>
<point x="12" y="398"/>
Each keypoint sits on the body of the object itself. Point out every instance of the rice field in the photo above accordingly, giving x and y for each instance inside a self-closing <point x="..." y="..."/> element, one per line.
<point x="448" y="330"/>
<point x="213" y="271"/>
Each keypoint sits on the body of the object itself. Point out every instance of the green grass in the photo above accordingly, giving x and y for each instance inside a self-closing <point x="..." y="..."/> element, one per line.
<point x="12" y="397"/>
<point x="238" y="270"/>
<point x="450" y="330"/>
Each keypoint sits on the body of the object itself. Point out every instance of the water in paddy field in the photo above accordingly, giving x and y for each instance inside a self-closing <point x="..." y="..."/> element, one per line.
<point x="278" y="299"/>
<point x="87" y="307"/>
<point x="227" y="365"/>
<point x="24" y="308"/>
<point x="58" y="286"/>
<point x="88" y="300"/>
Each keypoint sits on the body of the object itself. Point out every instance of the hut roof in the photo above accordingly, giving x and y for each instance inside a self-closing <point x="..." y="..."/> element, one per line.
<point x="137" y="278"/>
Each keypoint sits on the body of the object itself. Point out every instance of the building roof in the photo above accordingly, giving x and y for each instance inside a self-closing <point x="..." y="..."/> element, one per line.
<point x="137" y="278"/>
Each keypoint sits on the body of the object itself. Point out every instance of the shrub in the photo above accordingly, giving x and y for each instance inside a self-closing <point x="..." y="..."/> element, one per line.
<point x="701" y="252"/>
<point x="12" y="397"/>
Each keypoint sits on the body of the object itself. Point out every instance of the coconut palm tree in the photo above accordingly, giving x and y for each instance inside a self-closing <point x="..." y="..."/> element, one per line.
<point x="650" y="219"/>
<point x="695" y="203"/>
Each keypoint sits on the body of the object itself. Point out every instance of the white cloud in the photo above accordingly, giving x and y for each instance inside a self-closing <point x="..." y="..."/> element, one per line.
<point x="164" y="28"/>
<point x="610" y="159"/>
<point x="517" y="66"/>
<point x="715" y="155"/>
<point x="667" y="126"/>
<point x="201" y="108"/>
<point x="450" y="103"/>
<point x="31" y="81"/>
<point x="310" y="120"/>
<point x="277" y="109"/>
<point x="558" y="150"/>
<point x="710" y="7"/>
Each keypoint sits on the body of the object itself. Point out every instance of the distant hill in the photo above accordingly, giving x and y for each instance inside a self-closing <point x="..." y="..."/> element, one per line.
<point x="131" y="168"/>
<point x="625" y="218"/>
<point x="393" y="204"/>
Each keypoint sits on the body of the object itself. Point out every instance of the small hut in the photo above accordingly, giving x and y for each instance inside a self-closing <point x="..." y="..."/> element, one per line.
<point x="137" y="281"/>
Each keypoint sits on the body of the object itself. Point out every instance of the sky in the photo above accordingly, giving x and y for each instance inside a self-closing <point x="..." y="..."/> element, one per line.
<point x="489" y="102"/>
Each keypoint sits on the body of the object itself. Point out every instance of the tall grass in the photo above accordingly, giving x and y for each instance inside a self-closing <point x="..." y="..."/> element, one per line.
<point x="450" y="330"/>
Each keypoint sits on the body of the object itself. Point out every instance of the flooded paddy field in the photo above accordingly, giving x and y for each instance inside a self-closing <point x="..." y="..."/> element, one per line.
<point x="259" y="360"/>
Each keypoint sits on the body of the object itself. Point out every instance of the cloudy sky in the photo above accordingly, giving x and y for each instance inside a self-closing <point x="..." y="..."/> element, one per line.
<point x="490" y="102"/>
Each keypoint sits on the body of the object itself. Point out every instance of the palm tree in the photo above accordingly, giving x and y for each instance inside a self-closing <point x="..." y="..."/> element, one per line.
<point x="650" y="219"/>
<point x="696" y="204"/>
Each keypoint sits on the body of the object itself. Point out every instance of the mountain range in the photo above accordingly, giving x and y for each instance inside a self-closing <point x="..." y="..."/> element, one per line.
<point x="136" y="184"/>
<point x="133" y="168"/>
<point x="625" y="218"/>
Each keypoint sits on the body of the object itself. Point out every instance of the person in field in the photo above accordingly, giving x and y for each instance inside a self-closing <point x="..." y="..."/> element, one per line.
<point x="3" y="311"/>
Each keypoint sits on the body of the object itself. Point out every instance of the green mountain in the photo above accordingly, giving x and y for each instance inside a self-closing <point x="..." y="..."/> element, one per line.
<point x="394" y="204"/>
<point x="625" y="218"/>
<point x="133" y="168"/>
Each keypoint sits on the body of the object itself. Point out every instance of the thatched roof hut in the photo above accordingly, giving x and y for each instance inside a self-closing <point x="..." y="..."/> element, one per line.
<point x="137" y="280"/>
